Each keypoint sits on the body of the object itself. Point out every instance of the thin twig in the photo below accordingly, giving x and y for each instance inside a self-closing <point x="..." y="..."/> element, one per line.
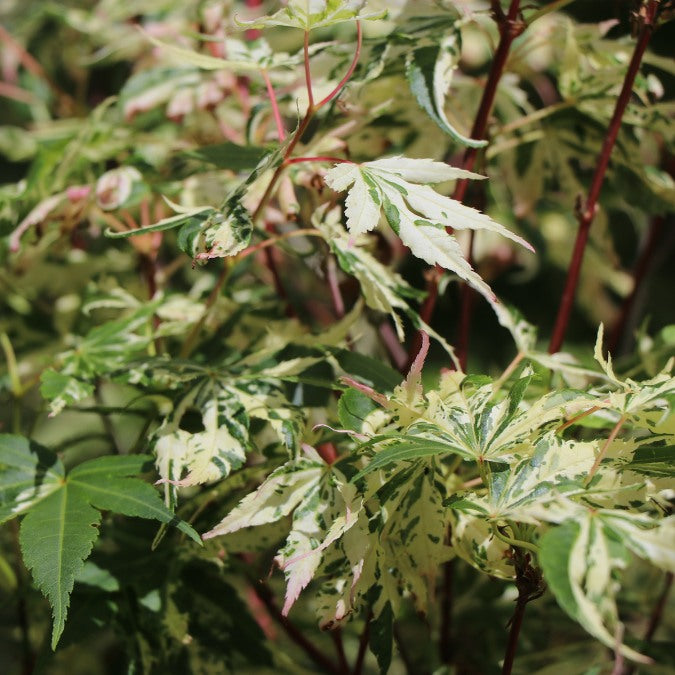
<point x="308" y="72"/>
<point x="311" y="110"/>
<point x="396" y="351"/>
<point x="586" y="214"/>
<point x="33" y="66"/>
<point x="350" y="71"/>
<point x="576" y="418"/>
<point x="17" y="93"/>
<point x="530" y="585"/>
<point x="657" y="613"/>
<point x="508" y="371"/>
<point x="281" y="133"/>
<point x="335" y="293"/>
<point x="605" y="447"/>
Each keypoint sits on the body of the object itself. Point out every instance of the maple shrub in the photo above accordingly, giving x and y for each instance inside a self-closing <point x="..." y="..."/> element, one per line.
<point x="336" y="337"/>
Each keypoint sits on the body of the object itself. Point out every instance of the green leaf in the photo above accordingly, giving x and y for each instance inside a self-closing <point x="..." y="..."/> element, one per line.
<point x="654" y="461"/>
<point x="381" y="640"/>
<point x="229" y="155"/>
<point x="28" y="474"/>
<point x="372" y="372"/>
<point x="99" y="480"/>
<point x="61" y="524"/>
<point x="429" y="72"/>
<point x="353" y="408"/>
<point x="105" y="349"/>
<point x="578" y="560"/>
<point x="63" y="390"/>
<point x="56" y="536"/>
<point x="161" y="225"/>
<point x="404" y="449"/>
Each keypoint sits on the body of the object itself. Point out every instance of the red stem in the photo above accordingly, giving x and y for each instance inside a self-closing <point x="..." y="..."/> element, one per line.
<point x="275" y="106"/>
<point x="348" y="74"/>
<point x="305" y="123"/>
<point x="308" y="73"/>
<point x="510" y="27"/>
<point x="586" y="214"/>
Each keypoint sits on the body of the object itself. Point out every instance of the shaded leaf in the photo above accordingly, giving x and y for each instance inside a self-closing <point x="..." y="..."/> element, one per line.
<point x="429" y="72"/>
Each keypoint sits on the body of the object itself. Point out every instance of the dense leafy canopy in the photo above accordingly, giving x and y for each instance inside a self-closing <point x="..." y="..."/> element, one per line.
<point x="223" y="232"/>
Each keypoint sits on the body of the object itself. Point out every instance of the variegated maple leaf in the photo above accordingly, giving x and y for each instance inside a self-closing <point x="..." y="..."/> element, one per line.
<point x="419" y="215"/>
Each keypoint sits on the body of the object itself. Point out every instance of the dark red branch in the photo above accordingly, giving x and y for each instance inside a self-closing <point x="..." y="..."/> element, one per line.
<point x="586" y="213"/>
<point x="510" y="27"/>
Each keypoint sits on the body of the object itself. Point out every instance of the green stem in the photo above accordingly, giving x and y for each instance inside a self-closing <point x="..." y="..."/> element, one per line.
<point x="519" y="543"/>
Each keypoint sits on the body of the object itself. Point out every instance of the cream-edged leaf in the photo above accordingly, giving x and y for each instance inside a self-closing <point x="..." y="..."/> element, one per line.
<point x="283" y="490"/>
<point x="579" y="562"/>
<point x="429" y="71"/>
<point x="423" y="171"/>
<point x="430" y="242"/>
<point x="341" y="176"/>
<point x="451" y="213"/>
<point x="362" y="206"/>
